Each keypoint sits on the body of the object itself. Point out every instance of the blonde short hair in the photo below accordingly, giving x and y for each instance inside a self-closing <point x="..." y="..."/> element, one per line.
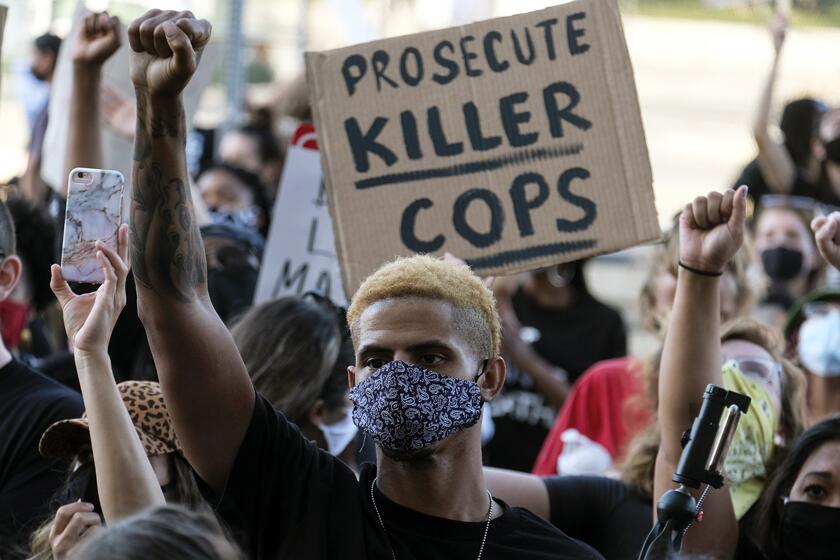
<point x="423" y="276"/>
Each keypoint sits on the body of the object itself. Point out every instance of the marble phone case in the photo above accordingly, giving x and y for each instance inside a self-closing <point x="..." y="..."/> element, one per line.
<point x="94" y="211"/>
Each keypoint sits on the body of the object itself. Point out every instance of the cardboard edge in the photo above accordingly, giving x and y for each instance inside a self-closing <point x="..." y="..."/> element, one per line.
<point x="645" y="218"/>
<point x="313" y="63"/>
<point x="4" y="11"/>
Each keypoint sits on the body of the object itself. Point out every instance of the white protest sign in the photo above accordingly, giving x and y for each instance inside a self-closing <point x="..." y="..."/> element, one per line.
<point x="300" y="254"/>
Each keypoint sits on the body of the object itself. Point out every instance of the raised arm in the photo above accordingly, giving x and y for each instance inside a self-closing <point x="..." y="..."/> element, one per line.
<point x="208" y="391"/>
<point x="97" y="38"/>
<point x="711" y="231"/>
<point x="827" y="235"/>
<point x="125" y="479"/>
<point x="774" y="161"/>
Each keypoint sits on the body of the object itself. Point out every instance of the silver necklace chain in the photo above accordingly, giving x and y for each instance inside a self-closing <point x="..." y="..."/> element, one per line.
<point x="486" y="524"/>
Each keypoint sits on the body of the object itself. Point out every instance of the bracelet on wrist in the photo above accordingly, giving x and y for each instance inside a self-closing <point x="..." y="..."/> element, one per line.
<point x="700" y="272"/>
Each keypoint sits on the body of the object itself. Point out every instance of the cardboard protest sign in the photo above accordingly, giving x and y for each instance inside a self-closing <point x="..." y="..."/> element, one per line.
<point x="512" y="143"/>
<point x="300" y="253"/>
<point x="3" y="10"/>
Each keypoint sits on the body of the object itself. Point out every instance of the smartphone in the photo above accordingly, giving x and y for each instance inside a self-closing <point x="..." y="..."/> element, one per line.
<point x="94" y="213"/>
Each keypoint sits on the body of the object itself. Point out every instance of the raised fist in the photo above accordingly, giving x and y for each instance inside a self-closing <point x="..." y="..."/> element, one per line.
<point x="712" y="229"/>
<point x="827" y="235"/>
<point x="166" y="48"/>
<point x="97" y="38"/>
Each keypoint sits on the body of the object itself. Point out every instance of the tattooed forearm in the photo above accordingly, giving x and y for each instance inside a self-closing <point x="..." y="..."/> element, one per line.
<point x="167" y="251"/>
<point x="163" y="122"/>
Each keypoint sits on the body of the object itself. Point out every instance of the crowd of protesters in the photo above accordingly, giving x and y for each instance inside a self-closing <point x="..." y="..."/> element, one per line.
<point x="440" y="415"/>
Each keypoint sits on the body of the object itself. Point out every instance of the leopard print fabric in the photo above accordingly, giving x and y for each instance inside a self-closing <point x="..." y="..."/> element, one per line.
<point x="144" y="401"/>
<point x="147" y="409"/>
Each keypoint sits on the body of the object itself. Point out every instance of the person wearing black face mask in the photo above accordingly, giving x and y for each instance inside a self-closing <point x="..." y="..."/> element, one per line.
<point x="800" y="507"/>
<point x="233" y="264"/>
<point x="789" y="260"/>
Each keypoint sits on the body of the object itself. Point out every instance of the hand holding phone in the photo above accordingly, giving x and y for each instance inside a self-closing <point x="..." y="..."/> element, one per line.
<point x="94" y="212"/>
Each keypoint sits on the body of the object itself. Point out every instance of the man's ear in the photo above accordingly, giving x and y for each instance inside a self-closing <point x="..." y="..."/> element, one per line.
<point x="10" y="270"/>
<point x="351" y="376"/>
<point x="493" y="379"/>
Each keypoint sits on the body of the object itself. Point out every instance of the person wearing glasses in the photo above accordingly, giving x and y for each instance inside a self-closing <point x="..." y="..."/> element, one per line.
<point x="813" y="336"/>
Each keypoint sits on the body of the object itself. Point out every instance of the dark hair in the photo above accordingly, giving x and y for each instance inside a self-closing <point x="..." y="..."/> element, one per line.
<point x="165" y="533"/>
<point x="289" y="346"/>
<point x="800" y="123"/>
<point x="770" y="506"/>
<point x="48" y="43"/>
<point x="7" y="231"/>
<point x="251" y="182"/>
<point x="268" y="148"/>
<point x="35" y="240"/>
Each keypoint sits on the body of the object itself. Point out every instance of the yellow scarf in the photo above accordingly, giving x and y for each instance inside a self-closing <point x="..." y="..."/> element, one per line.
<point x="753" y="443"/>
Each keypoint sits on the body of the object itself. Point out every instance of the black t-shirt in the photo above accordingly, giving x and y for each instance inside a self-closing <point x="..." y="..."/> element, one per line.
<point x="606" y="514"/>
<point x="576" y="337"/>
<point x="752" y="177"/>
<point x="573" y="338"/>
<point x="29" y="403"/>
<point x="286" y="498"/>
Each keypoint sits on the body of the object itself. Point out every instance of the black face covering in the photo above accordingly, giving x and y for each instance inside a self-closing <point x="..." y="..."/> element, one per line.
<point x="782" y="264"/>
<point x="832" y="150"/>
<point x="810" y="532"/>
<point x="231" y="289"/>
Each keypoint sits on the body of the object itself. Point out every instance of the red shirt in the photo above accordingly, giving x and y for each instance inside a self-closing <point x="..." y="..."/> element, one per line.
<point x="596" y="408"/>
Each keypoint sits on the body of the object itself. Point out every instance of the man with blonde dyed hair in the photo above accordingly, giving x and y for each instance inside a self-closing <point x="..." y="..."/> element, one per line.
<point x="427" y="355"/>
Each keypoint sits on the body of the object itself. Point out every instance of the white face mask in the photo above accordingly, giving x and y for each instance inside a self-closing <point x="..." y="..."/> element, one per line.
<point x="819" y="345"/>
<point x="340" y="434"/>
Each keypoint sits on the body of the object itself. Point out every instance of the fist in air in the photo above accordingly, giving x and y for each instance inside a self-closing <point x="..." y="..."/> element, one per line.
<point x="712" y="230"/>
<point x="97" y="38"/>
<point x="827" y="234"/>
<point x="166" y="47"/>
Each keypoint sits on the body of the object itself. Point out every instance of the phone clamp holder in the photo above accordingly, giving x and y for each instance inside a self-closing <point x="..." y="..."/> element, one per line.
<point x="701" y="462"/>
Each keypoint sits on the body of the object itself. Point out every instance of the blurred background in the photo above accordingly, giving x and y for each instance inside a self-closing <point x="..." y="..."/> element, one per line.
<point x="700" y="66"/>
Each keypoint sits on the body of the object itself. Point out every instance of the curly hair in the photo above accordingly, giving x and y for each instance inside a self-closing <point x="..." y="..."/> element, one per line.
<point x="638" y="464"/>
<point x="422" y="276"/>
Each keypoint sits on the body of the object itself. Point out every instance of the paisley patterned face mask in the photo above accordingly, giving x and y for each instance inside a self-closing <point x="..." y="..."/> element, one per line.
<point x="404" y="407"/>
